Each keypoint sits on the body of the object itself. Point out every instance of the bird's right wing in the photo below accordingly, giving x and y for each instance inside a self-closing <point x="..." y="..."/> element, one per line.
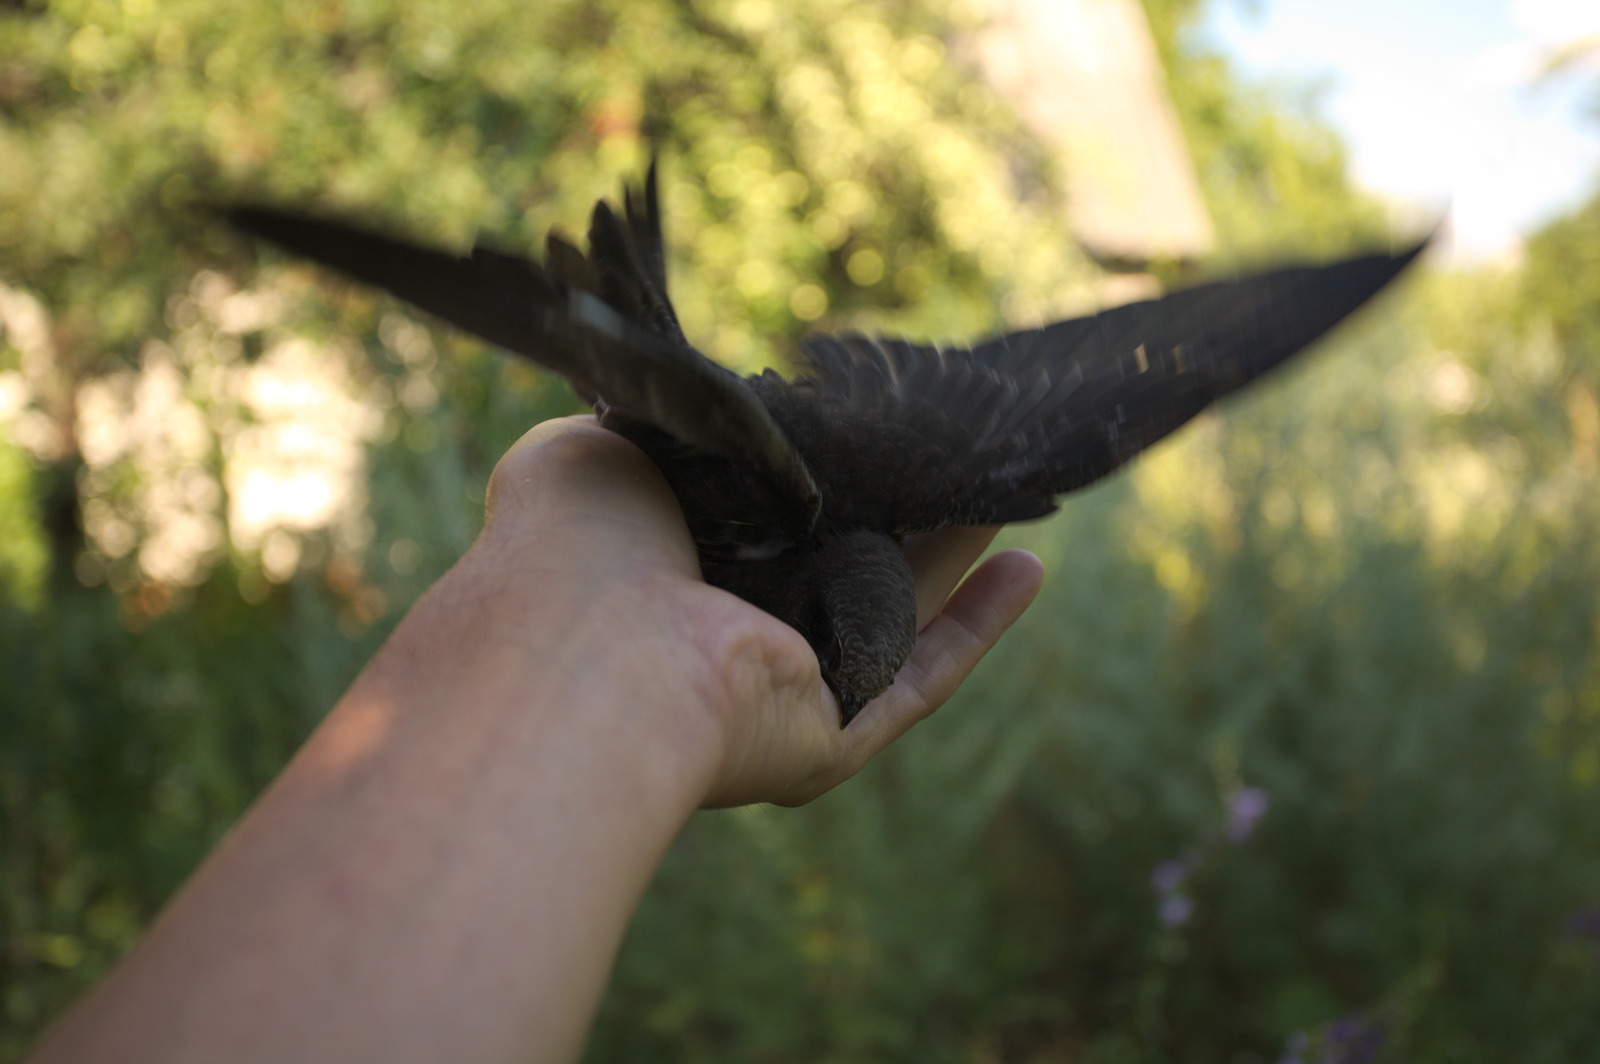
<point x="993" y="434"/>
<point x="629" y="359"/>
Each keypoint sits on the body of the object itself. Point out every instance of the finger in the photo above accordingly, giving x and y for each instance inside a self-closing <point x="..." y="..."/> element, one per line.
<point x="938" y="562"/>
<point x="949" y="648"/>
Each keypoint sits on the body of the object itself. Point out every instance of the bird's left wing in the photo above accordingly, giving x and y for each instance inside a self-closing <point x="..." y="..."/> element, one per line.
<point x="552" y="317"/>
<point x="993" y="434"/>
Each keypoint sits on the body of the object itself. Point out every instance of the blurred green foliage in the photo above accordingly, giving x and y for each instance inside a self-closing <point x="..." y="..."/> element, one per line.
<point x="1366" y="593"/>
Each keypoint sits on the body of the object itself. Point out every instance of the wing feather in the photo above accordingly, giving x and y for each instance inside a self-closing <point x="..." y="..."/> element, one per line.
<point x="1000" y="430"/>
<point x="602" y="322"/>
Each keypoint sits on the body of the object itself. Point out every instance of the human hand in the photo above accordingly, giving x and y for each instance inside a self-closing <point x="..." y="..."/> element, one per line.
<point x="738" y="692"/>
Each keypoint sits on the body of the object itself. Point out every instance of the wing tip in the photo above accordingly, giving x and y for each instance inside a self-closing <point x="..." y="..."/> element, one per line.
<point x="1417" y="248"/>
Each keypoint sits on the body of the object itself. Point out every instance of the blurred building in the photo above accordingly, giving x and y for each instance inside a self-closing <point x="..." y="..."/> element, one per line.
<point x="1086" y="78"/>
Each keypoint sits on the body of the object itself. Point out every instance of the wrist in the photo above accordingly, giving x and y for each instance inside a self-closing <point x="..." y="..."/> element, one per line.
<point x="609" y="662"/>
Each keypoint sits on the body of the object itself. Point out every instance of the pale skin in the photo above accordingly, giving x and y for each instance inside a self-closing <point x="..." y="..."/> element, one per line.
<point x="446" y="868"/>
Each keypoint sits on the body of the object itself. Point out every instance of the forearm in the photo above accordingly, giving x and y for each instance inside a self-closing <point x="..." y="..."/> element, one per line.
<point x="445" y="870"/>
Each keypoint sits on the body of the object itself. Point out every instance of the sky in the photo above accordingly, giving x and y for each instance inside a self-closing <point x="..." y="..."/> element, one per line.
<point x="1439" y="100"/>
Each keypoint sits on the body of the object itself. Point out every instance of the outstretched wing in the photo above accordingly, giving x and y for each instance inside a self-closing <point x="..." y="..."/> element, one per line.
<point x="995" y="433"/>
<point x="601" y="321"/>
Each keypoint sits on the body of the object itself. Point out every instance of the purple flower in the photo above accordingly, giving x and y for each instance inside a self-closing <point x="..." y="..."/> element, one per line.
<point x="1169" y="876"/>
<point x="1354" y="1040"/>
<point x="1175" y="910"/>
<point x="1246" y="807"/>
<point x="1584" y="923"/>
<point x="1294" y="1050"/>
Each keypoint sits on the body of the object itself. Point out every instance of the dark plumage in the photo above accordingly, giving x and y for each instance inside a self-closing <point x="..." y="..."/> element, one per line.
<point x="798" y="492"/>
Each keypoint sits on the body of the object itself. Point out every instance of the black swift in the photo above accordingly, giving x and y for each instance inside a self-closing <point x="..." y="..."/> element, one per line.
<point x="799" y="492"/>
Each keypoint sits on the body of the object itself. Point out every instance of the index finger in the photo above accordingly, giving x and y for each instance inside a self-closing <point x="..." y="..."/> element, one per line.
<point x="939" y="560"/>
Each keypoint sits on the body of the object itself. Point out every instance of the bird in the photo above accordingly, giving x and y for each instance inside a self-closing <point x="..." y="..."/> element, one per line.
<point x="799" y="492"/>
